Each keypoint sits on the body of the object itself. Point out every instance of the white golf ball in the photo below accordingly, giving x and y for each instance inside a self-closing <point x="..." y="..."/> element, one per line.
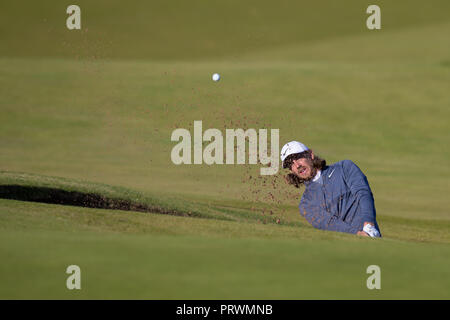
<point x="216" y="77"/>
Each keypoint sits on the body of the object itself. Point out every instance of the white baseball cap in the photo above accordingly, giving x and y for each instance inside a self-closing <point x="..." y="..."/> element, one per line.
<point x="291" y="148"/>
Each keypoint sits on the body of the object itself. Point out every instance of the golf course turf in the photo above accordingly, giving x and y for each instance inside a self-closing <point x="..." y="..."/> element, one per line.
<point x="86" y="176"/>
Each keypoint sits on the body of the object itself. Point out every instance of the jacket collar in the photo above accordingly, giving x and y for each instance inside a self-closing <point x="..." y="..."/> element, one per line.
<point x="319" y="181"/>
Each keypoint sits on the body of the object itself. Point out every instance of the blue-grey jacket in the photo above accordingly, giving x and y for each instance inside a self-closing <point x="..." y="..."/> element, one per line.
<point x="340" y="200"/>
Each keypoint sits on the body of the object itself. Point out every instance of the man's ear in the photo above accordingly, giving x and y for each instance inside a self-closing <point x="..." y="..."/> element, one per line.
<point x="312" y="154"/>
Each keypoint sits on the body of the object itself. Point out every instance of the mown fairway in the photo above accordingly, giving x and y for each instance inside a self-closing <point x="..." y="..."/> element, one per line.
<point x="93" y="111"/>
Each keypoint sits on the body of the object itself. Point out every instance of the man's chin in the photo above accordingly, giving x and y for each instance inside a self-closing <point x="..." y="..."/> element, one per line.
<point x="309" y="177"/>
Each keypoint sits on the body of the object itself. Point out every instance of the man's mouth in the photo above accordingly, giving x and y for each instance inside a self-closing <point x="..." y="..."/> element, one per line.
<point x="302" y="170"/>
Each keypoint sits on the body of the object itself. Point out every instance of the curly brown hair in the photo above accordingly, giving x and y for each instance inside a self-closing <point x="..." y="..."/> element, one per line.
<point x="317" y="164"/>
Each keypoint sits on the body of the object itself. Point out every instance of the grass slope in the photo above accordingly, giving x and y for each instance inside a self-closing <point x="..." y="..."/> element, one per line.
<point x="149" y="256"/>
<point x="194" y="30"/>
<point x="239" y="211"/>
<point x="125" y="254"/>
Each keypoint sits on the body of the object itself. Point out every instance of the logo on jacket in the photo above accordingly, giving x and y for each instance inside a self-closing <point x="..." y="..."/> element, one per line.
<point x="329" y="176"/>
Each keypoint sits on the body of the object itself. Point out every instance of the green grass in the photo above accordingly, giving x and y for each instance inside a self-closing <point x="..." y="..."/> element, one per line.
<point x="136" y="255"/>
<point x="237" y="211"/>
<point x="194" y="30"/>
<point x="145" y="256"/>
<point x="93" y="111"/>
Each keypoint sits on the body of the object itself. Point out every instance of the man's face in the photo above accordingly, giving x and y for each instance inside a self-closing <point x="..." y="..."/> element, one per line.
<point x="303" y="168"/>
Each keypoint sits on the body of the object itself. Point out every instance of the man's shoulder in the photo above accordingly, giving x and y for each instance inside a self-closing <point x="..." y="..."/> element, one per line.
<point x="343" y="167"/>
<point x="349" y="168"/>
<point x="344" y="163"/>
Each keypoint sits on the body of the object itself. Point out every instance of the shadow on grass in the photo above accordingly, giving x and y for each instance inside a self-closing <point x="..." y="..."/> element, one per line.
<point x="80" y="199"/>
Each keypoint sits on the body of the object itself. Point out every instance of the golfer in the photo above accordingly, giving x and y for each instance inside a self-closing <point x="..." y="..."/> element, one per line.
<point x="336" y="197"/>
